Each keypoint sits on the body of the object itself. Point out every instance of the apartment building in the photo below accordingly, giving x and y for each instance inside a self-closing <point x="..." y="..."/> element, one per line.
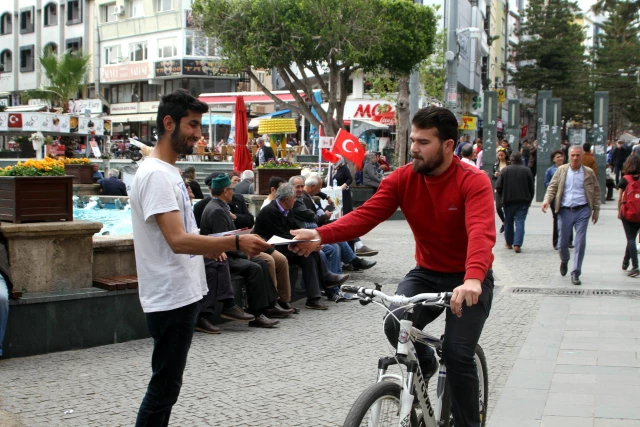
<point x="27" y="28"/>
<point x="148" y="48"/>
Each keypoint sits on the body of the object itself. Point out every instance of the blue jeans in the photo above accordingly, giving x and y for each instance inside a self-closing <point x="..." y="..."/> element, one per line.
<point x="4" y="309"/>
<point x="172" y="332"/>
<point x="346" y="253"/>
<point x="514" y="216"/>
<point x="331" y="255"/>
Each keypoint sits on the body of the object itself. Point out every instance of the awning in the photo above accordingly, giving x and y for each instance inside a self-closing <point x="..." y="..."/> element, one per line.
<point x="249" y="97"/>
<point x="372" y="124"/>
<point x="255" y="122"/>
<point x="128" y="118"/>
<point x="215" y="120"/>
<point x="25" y="108"/>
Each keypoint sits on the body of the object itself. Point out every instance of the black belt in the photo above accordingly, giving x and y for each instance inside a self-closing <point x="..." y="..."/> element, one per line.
<point x="574" y="208"/>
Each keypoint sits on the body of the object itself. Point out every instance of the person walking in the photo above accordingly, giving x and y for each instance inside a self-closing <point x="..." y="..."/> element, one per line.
<point x="618" y="157"/>
<point x="576" y="192"/>
<point x="502" y="162"/>
<point x="629" y="211"/>
<point x="533" y="159"/>
<point x="515" y="187"/>
<point x="557" y="158"/>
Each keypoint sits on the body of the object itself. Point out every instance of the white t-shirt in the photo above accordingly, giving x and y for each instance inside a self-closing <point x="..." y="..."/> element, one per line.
<point x="166" y="280"/>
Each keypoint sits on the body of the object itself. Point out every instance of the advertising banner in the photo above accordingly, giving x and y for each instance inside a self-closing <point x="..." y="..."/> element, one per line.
<point x="4" y="121"/>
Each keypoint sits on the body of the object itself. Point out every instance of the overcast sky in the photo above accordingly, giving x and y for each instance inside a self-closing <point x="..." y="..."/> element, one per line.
<point x="586" y="4"/>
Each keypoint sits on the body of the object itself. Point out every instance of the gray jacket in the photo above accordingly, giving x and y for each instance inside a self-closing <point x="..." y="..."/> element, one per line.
<point x="370" y="175"/>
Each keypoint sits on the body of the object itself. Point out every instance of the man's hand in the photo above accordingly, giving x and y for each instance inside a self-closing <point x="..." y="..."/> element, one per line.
<point x="252" y="244"/>
<point x="233" y="216"/>
<point x="594" y="217"/>
<point x="330" y="200"/>
<point x="222" y="257"/>
<point x="344" y="186"/>
<point x="328" y="214"/>
<point x="545" y="205"/>
<point x="305" y="248"/>
<point x="468" y="292"/>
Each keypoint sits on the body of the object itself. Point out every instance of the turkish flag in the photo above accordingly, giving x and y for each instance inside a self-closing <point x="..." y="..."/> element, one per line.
<point x="348" y="146"/>
<point x="15" y="120"/>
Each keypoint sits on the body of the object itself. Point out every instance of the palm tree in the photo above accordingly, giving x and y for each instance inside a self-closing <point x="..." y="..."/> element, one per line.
<point x="64" y="76"/>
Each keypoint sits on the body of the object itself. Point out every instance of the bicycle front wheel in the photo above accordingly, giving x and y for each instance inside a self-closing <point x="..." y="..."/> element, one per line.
<point x="378" y="405"/>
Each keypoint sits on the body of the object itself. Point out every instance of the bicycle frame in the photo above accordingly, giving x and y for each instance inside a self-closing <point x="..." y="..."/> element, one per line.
<point x="406" y="355"/>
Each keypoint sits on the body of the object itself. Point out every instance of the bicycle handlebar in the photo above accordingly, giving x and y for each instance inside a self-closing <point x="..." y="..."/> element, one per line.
<point x="439" y="299"/>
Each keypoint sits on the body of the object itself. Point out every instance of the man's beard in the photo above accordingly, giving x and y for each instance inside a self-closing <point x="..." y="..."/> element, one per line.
<point x="426" y="167"/>
<point x="180" y="143"/>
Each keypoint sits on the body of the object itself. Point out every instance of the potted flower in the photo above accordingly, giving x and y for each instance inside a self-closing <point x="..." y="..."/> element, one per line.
<point x="36" y="190"/>
<point x="274" y="167"/>
<point x="80" y="169"/>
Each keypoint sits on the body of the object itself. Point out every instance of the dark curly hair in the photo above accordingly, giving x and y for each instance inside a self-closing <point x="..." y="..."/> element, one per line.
<point x="177" y="105"/>
<point x="632" y="165"/>
<point x="555" y="153"/>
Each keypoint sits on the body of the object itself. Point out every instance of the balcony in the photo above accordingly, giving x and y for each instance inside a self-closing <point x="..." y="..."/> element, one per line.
<point x="137" y="26"/>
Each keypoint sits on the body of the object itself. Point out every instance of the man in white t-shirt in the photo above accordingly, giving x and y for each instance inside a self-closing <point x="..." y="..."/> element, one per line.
<point x="169" y="249"/>
<point x="468" y="154"/>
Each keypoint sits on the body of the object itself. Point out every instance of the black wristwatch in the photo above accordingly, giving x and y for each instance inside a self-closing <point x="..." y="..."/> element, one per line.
<point x="237" y="242"/>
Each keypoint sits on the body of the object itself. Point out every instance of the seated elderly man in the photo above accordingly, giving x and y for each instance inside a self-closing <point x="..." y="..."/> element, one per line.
<point x="308" y="214"/>
<point x="262" y="294"/>
<point x="112" y="185"/>
<point x="245" y="186"/>
<point x="276" y="219"/>
<point x="240" y="214"/>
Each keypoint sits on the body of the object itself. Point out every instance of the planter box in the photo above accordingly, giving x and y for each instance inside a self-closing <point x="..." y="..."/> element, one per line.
<point x="9" y="154"/>
<point x="264" y="175"/>
<point x="36" y="198"/>
<point x="82" y="174"/>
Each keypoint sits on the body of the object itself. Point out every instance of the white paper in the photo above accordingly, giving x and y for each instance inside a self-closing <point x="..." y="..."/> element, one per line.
<point x="232" y="233"/>
<point x="277" y="240"/>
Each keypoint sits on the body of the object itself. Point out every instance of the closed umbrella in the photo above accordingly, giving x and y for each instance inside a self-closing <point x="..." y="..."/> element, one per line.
<point x="242" y="158"/>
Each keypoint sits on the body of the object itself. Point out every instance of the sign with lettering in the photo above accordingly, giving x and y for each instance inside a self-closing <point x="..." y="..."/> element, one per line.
<point x="4" y="121"/>
<point x="30" y="122"/>
<point x="80" y="105"/>
<point x="204" y="67"/>
<point x="468" y="123"/>
<point x="170" y="67"/>
<point x="125" y="72"/>
<point x="124" y="108"/>
<point x="148" y="107"/>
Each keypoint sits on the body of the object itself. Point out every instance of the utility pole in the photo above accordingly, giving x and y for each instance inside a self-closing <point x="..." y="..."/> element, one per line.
<point x="451" y="87"/>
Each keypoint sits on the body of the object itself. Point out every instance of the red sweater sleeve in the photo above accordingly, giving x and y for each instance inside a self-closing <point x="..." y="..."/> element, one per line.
<point x="481" y="226"/>
<point x="362" y="220"/>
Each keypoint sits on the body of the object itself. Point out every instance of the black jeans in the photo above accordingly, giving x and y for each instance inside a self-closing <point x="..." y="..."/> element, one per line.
<point x="631" y="231"/>
<point x="261" y="293"/>
<point x="172" y="332"/>
<point x="461" y="336"/>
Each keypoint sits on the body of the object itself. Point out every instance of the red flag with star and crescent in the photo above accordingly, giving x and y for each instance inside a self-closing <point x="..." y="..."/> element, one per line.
<point x="348" y="146"/>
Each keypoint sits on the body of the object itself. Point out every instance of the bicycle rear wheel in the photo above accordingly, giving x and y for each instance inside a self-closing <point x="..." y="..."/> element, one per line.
<point x="387" y="395"/>
<point x="446" y="417"/>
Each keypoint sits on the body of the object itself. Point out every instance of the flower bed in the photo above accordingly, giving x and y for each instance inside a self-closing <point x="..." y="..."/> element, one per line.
<point x="80" y="169"/>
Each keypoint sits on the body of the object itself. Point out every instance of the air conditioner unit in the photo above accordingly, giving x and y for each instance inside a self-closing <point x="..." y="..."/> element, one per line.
<point x="118" y="10"/>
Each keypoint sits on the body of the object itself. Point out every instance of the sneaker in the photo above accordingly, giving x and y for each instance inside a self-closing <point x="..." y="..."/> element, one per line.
<point x="350" y="297"/>
<point x="337" y="297"/>
<point x="625" y="264"/>
<point x="634" y="272"/>
<point x="366" y="251"/>
<point x="207" y="327"/>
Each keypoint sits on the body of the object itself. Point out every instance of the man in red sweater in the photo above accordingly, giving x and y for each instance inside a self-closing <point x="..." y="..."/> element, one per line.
<point x="449" y="207"/>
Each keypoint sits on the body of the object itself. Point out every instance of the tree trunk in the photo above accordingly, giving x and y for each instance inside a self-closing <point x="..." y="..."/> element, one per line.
<point x="403" y="124"/>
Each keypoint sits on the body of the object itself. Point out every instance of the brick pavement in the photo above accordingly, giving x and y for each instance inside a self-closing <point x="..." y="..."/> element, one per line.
<point x="306" y="373"/>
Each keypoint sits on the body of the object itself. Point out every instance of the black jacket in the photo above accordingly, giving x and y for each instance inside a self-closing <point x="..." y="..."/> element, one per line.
<point x="270" y="222"/>
<point x="196" y="190"/>
<point x="216" y="219"/>
<point x="619" y="156"/>
<point x="515" y="185"/>
<point x="238" y="206"/>
<point x="268" y="154"/>
<point x="112" y="186"/>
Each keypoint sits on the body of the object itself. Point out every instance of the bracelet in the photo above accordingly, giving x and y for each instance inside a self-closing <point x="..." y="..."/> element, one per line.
<point x="237" y="242"/>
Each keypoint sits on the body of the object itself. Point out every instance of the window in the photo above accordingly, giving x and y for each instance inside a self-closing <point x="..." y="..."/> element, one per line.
<point x="74" y="12"/>
<point x="6" y="61"/>
<point x="5" y="23"/>
<point x="138" y="51"/>
<point x="26" y="21"/>
<point x="164" y="5"/>
<point x="112" y="55"/>
<point x="75" y="44"/>
<point x="109" y="13"/>
<point x="197" y="44"/>
<point x="27" y="58"/>
<point x="167" y="48"/>
<point x="50" y="15"/>
<point x="137" y="9"/>
<point x="51" y="48"/>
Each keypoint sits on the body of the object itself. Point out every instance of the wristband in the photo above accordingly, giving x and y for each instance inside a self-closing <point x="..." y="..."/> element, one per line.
<point x="237" y="242"/>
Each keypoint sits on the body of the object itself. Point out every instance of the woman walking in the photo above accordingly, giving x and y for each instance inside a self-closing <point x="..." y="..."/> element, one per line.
<point x="629" y="211"/>
<point x="557" y="159"/>
<point x="501" y="163"/>
<point x="344" y="179"/>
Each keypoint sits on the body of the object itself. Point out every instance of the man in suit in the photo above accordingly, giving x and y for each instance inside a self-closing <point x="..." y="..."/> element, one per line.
<point x="262" y="294"/>
<point x="264" y="153"/>
<point x="246" y="185"/>
<point x="276" y="219"/>
<point x="240" y="214"/>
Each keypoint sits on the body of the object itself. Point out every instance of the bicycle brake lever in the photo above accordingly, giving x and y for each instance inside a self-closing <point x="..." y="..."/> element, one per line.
<point x="365" y="301"/>
<point x="378" y="287"/>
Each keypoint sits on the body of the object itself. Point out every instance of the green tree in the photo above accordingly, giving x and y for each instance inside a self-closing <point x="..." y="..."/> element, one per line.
<point x="433" y="71"/>
<point x="64" y="77"/>
<point x="616" y="62"/>
<point x="318" y="44"/>
<point x="552" y="55"/>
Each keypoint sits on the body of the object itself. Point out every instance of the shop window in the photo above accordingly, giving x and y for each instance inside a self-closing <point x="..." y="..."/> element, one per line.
<point x="6" y="61"/>
<point x="50" y="15"/>
<point x="5" y="23"/>
<point x="75" y="44"/>
<point x="138" y="51"/>
<point x="197" y="44"/>
<point x="137" y="9"/>
<point x="74" y="12"/>
<point x="112" y="55"/>
<point x="167" y="48"/>
<point x="27" y="58"/>
<point x="26" y="21"/>
<point x="149" y="92"/>
<point x="108" y="13"/>
<point x="51" y="48"/>
<point x="164" y="5"/>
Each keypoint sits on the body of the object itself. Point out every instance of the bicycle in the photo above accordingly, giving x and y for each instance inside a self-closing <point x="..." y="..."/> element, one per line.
<point x="389" y="403"/>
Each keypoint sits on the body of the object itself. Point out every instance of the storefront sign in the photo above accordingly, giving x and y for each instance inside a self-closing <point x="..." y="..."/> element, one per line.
<point x="468" y="123"/>
<point x="50" y="123"/>
<point x="221" y="108"/>
<point x="80" y="105"/>
<point x="125" y="108"/>
<point x="172" y="67"/>
<point x="363" y="109"/>
<point x="88" y="126"/>
<point x="124" y="72"/>
<point x="60" y="123"/>
<point x="148" y="107"/>
<point x="4" y="121"/>
<point x="204" y="67"/>
<point x="31" y="121"/>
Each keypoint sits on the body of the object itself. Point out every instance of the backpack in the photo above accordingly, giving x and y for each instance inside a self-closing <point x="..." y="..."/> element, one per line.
<point x="631" y="200"/>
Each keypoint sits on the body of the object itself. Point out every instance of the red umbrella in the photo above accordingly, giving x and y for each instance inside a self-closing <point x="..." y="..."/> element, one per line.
<point x="242" y="158"/>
